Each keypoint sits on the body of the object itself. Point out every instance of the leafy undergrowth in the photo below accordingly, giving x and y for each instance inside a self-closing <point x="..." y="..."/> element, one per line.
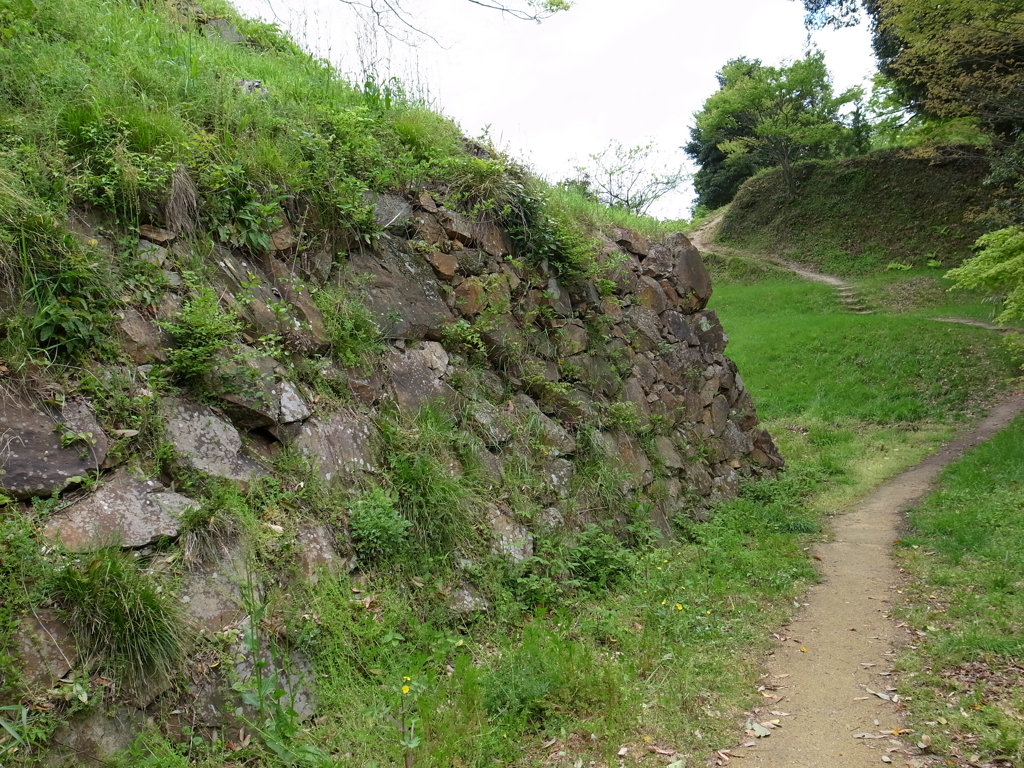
<point x="855" y="216"/>
<point x="962" y="679"/>
<point x="597" y="644"/>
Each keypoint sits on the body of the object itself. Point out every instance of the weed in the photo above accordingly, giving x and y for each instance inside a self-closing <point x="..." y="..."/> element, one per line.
<point x="545" y="674"/>
<point x="121" y="618"/>
<point x="202" y="330"/>
<point x="465" y="336"/>
<point x="356" y="340"/>
<point x="379" y="532"/>
<point x="430" y="468"/>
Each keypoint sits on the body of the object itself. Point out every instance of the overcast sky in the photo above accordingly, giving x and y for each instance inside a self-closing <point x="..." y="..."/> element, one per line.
<point x="627" y="70"/>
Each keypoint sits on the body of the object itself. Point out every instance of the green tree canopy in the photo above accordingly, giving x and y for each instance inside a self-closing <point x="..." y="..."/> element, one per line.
<point x="957" y="58"/>
<point x="766" y="116"/>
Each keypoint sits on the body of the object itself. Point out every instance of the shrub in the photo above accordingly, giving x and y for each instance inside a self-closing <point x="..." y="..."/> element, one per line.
<point x="120" y="617"/>
<point x="544" y="675"/>
<point x="598" y="559"/>
<point x="203" y="329"/>
<point x="378" y="531"/>
<point x="354" y="335"/>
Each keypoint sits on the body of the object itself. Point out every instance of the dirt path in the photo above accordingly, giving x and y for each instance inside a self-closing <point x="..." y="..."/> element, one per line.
<point x="842" y="643"/>
<point x="829" y="701"/>
<point x="703" y="240"/>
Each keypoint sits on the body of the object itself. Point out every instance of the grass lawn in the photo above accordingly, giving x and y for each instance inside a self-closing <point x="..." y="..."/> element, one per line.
<point x="963" y="679"/>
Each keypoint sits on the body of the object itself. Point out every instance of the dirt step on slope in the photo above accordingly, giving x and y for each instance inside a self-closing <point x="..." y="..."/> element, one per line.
<point x="703" y="240"/>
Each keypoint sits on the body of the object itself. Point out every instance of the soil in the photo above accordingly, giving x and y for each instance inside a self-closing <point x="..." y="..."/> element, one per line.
<point x="835" y="658"/>
<point x="829" y="694"/>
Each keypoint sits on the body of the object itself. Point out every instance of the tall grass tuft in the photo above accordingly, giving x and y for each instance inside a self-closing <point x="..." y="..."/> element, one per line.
<point x="121" y="618"/>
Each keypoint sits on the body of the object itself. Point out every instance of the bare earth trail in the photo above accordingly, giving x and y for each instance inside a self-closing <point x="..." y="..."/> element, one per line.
<point x="703" y="239"/>
<point x="843" y="641"/>
<point x="834" y="659"/>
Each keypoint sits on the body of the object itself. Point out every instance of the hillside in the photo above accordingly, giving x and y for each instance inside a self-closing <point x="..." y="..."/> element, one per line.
<point x="856" y="215"/>
<point x="316" y="416"/>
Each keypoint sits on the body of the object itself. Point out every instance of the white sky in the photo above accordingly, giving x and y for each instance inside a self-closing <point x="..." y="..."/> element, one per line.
<point x="553" y="93"/>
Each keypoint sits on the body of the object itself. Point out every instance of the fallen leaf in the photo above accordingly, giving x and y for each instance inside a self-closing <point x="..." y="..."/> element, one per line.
<point x="759" y="731"/>
<point x="883" y="696"/>
<point x="660" y="751"/>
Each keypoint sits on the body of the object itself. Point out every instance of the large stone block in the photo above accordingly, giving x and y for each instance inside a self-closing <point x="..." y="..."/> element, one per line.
<point x="124" y="511"/>
<point x="401" y="291"/>
<point x="206" y="441"/>
<point x="417" y="375"/>
<point x="340" y="446"/>
<point x="44" y="448"/>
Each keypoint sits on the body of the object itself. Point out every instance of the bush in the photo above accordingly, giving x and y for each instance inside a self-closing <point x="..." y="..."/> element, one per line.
<point x="598" y="559"/>
<point x="378" y="531"/>
<point x="356" y="340"/>
<point x="546" y="674"/>
<point x="120" y="617"/>
<point x="202" y="330"/>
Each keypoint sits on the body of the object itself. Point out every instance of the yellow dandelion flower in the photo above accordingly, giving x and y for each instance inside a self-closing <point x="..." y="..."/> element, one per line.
<point x="679" y="606"/>
<point x="405" y="689"/>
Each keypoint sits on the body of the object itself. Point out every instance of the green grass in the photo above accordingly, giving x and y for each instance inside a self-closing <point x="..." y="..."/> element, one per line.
<point x="856" y="215"/>
<point x="801" y="353"/>
<point x="965" y="554"/>
<point x="132" y="629"/>
<point x="924" y="292"/>
<point x="596" y="216"/>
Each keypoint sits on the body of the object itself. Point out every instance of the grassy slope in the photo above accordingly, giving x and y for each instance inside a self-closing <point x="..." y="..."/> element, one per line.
<point x="856" y="215"/>
<point x="103" y="101"/>
<point x="965" y="553"/>
<point x="867" y="393"/>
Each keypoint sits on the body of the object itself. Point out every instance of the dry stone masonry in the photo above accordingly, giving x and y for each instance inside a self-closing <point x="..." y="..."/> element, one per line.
<point x="629" y="367"/>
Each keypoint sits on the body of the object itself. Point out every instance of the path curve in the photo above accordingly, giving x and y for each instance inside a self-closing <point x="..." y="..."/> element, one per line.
<point x="836" y="655"/>
<point x="703" y="239"/>
<point x="829" y="700"/>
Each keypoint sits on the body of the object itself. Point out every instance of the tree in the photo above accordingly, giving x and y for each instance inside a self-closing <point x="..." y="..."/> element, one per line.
<point x="775" y="115"/>
<point x="719" y="176"/>
<point x="397" y="21"/>
<point x="957" y="58"/>
<point x="999" y="268"/>
<point x="623" y="177"/>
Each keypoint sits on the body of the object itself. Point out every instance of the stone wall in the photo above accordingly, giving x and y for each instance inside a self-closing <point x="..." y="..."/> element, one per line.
<point x="631" y="366"/>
